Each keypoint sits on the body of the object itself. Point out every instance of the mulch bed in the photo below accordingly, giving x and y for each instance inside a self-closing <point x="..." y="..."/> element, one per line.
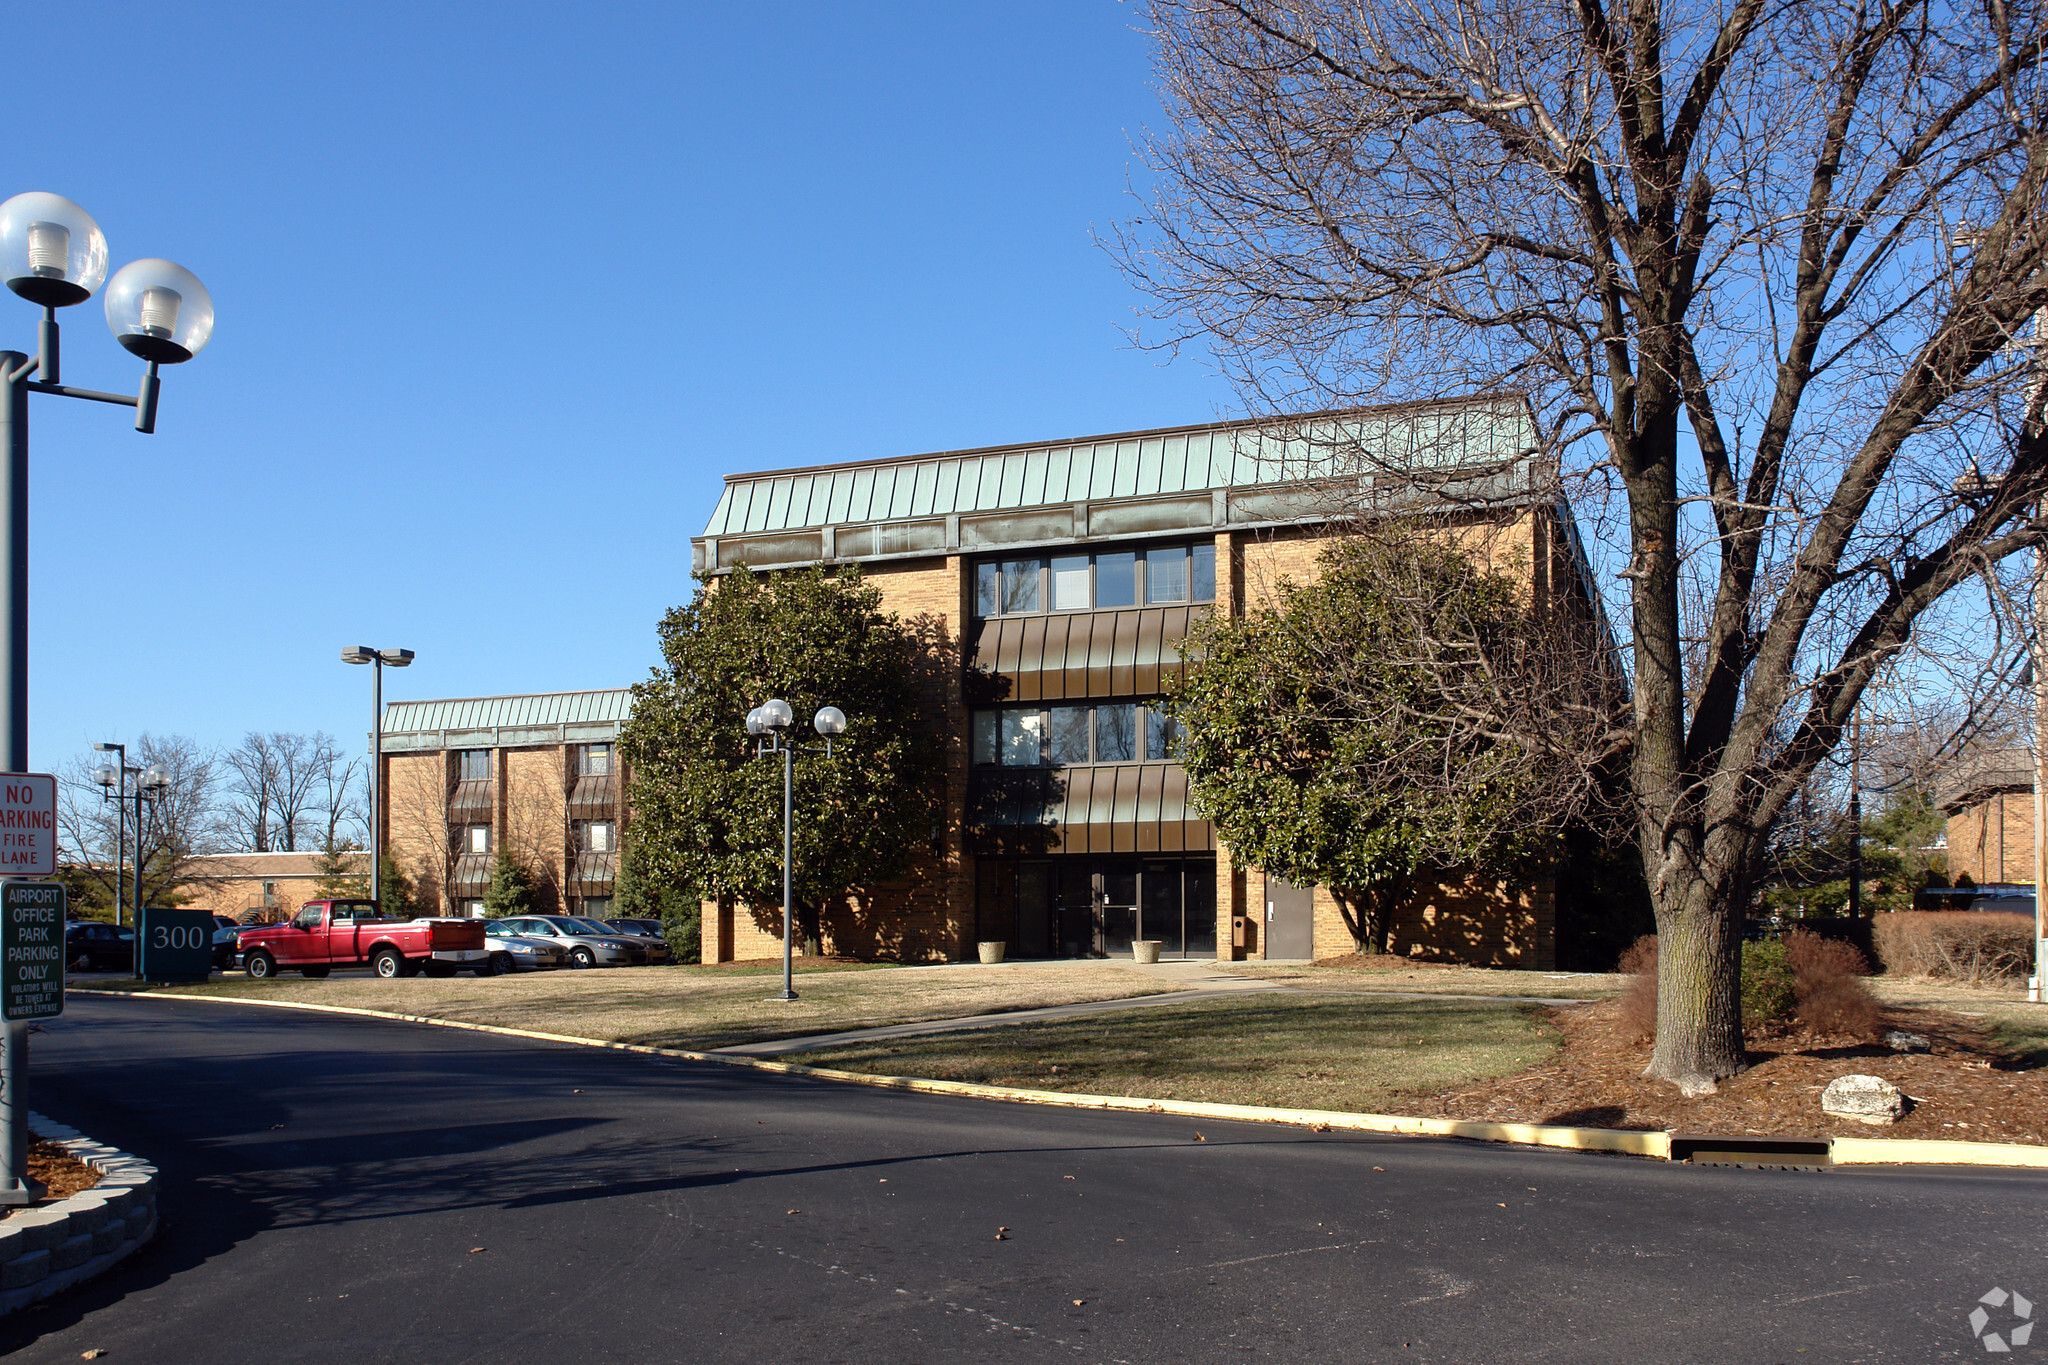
<point x="63" y="1173"/>
<point x="1378" y="962"/>
<point x="1967" y="1088"/>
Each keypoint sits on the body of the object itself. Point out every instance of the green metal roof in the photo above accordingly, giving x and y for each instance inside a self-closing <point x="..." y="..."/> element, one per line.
<point x="1476" y="433"/>
<point x="489" y="722"/>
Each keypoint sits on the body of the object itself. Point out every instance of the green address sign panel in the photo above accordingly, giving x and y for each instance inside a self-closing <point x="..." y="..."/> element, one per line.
<point x="31" y="950"/>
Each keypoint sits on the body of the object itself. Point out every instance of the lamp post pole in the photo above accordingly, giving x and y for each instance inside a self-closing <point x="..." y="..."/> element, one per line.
<point x="53" y="254"/>
<point x="376" y="659"/>
<point x="119" y="765"/>
<point x="769" y="724"/>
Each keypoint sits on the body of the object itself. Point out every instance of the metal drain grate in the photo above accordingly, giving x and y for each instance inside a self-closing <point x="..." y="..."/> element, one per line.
<point x="1760" y="1153"/>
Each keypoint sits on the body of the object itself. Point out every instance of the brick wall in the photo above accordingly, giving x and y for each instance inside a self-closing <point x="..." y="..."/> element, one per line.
<point x="415" y="820"/>
<point x="533" y="817"/>
<point x="1994" y="841"/>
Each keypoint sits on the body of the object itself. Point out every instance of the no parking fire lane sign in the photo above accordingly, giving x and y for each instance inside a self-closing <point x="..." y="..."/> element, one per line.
<point x="28" y="825"/>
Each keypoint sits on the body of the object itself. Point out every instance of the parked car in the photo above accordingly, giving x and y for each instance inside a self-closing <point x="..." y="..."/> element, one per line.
<point x="512" y="952"/>
<point x="588" y="943"/>
<point x="646" y="928"/>
<point x="91" y="946"/>
<point x="658" y="951"/>
<point x="227" y="938"/>
<point x="348" y="933"/>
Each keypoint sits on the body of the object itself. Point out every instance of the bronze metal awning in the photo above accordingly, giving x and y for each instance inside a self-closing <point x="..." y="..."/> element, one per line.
<point x="1106" y="808"/>
<point x="593" y="874"/>
<point x="594" y="798"/>
<point x="1086" y="654"/>
<point x="471" y="803"/>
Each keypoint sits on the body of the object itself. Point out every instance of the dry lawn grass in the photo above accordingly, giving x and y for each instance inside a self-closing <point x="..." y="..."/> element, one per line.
<point x="700" y="1008"/>
<point x="1367" y="972"/>
<point x="1347" y="1053"/>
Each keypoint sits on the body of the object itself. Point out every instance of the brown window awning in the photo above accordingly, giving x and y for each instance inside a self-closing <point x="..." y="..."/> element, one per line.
<point x="1086" y="654"/>
<point x="1107" y="808"/>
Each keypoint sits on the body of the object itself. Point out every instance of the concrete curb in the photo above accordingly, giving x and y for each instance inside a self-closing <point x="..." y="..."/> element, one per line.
<point x="1627" y="1142"/>
<point x="48" y="1249"/>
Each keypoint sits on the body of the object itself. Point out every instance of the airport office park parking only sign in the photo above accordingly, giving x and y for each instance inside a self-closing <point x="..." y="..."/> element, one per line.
<point x="31" y="913"/>
<point x="31" y="950"/>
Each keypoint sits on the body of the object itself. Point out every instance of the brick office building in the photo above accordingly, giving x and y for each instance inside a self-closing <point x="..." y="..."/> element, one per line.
<point x="1988" y="798"/>
<point x="537" y="774"/>
<point x="1065" y="575"/>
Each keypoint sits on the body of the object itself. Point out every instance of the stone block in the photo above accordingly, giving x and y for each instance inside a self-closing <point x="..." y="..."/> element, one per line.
<point x="138" y="1219"/>
<point x="109" y="1236"/>
<point x="1900" y="1041"/>
<point x="72" y="1251"/>
<point x="1867" y="1099"/>
<point x="23" y="1271"/>
<point x="40" y="1229"/>
<point x="87" y="1211"/>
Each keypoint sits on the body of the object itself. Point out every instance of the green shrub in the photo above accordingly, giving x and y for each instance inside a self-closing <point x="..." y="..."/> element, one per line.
<point x="683" y="930"/>
<point x="1769" y="989"/>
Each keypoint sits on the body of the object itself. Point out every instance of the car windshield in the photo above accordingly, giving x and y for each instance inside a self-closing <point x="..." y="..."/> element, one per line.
<point x="591" y="926"/>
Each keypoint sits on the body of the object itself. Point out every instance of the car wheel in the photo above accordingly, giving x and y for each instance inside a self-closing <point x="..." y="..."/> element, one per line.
<point x="388" y="963"/>
<point x="499" y="964"/>
<point x="314" y="973"/>
<point x="261" y="965"/>
<point x="583" y="957"/>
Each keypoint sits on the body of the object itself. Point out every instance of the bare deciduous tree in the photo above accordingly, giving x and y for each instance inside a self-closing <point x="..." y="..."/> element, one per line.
<point x="282" y="783"/>
<point x="1764" y="272"/>
<point x="181" y="822"/>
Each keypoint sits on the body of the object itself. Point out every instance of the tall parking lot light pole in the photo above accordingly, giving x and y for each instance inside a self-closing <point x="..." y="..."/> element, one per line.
<point x="150" y="785"/>
<point x="769" y="724"/>
<point x="54" y="255"/>
<point x="106" y="775"/>
<point x="377" y="659"/>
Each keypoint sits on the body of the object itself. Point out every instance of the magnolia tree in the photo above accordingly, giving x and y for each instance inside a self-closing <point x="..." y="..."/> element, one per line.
<point x="1766" y="274"/>
<point x="707" y="813"/>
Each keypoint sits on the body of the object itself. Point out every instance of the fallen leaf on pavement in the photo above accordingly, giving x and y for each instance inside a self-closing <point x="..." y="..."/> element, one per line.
<point x="94" y="1354"/>
<point x="474" y="1250"/>
<point x="1079" y="1302"/>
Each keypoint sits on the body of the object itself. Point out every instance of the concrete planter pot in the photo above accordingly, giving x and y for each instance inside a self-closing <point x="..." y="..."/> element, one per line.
<point x="1147" y="949"/>
<point x="992" y="951"/>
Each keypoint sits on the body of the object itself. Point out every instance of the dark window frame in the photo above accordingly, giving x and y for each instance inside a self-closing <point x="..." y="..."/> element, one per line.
<point x="992" y="576"/>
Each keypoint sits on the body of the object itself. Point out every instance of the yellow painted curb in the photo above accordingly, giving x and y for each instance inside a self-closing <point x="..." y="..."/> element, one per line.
<point x="1933" y="1152"/>
<point x="1843" y="1151"/>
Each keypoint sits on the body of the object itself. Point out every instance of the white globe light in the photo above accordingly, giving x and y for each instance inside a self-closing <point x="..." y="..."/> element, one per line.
<point x="159" y="310"/>
<point x="51" y="251"/>
<point x="776" y="715"/>
<point x="829" y="722"/>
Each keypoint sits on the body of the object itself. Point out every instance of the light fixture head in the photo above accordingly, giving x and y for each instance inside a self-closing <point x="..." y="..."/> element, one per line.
<point x="358" y="654"/>
<point x="159" y="311"/>
<point x="104" y="774"/>
<point x="754" y="725"/>
<point x="51" y="251"/>
<point x="829" y="722"/>
<point x="776" y="714"/>
<point x="154" y="778"/>
<point x="107" y="748"/>
<point x="395" y="658"/>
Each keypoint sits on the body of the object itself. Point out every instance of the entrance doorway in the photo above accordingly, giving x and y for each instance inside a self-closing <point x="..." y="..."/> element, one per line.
<point x="1091" y="906"/>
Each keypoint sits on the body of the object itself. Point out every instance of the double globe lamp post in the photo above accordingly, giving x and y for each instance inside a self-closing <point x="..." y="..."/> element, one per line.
<point x="769" y="724"/>
<point x="54" y="255"/>
<point x="150" y="785"/>
<point x="379" y="659"/>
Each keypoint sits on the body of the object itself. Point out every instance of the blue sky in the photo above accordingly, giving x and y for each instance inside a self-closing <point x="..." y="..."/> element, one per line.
<point x="503" y="290"/>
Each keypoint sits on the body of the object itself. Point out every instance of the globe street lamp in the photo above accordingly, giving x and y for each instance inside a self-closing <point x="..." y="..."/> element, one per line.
<point x="769" y="724"/>
<point x="150" y="785"/>
<point x="377" y="659"/>
<point x="54" y="255"/>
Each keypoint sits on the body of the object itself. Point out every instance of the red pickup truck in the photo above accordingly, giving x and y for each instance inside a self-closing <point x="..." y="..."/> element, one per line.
<point x="329" y="934"/>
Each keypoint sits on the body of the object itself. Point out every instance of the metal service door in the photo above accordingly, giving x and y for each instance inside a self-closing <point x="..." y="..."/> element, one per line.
<point x="1290" y="920"/>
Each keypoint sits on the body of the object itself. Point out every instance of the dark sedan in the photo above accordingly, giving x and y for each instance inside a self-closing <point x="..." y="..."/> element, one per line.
<point x="90" y="946"/>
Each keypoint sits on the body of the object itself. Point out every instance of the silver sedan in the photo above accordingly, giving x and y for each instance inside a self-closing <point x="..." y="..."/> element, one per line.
<point x="587" y="943"/>
<point x="512" y="952"/>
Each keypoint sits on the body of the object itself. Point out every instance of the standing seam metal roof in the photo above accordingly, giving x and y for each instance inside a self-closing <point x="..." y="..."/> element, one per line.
<point x="1450" y="434"/>
<point x="484" y="713"/>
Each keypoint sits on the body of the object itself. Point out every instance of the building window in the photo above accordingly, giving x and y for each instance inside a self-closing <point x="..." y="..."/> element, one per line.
<point x="596" y="836"/>
<point x="475" y="764"/>
<point x="1061" y="736"/>
<point x="597" y="907"/>
<point x="596" y="760"/>
<point x="1165" y="575"/>
<point x="476" y="838"/>
<point x="470" y="909"/>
